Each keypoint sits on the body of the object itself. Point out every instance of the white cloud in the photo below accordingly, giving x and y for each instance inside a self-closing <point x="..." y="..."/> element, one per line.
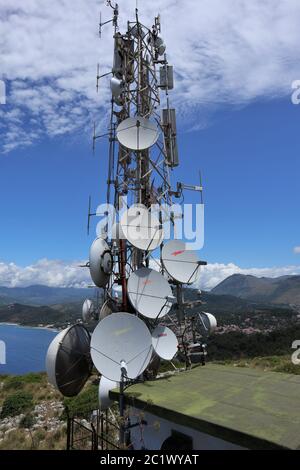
<point x="53" y="273"/>
<point x="57" y="273"/>
<point x="223" y="52"/>
<point x="297" y="250"/>
<point x="214" y="273"/>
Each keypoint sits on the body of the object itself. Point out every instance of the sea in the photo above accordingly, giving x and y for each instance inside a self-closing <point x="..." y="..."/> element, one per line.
<point x="24" y="348"/>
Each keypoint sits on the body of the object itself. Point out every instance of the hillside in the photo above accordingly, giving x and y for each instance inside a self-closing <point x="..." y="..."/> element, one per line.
<point x="284" y="290"/>
<point x="57" y="315"/>
<point x="42" y="295"/>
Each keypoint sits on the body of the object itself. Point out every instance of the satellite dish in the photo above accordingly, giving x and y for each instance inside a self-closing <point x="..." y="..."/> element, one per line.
<point x="87" y="310"/>
<point x="206" y="323"/>
<point x="121" y="340"/>
<point x="100" y="262"/>
<point x="68" y="362"/>
<point x="137" y="133"/>
<point x="164" y="342"/>
<point x="116" y="86"/>
<point x="141" y="228"/>
<point x="107" y="309"/>
<point x="136" y="30"/>
<point x="161" y="49"/>
<point x="159" y="45"/>
<point x="105" y="386"/>
<point x="116" y="232"/>
<point x="180" y="263"/>
<point x="149" y="293"/>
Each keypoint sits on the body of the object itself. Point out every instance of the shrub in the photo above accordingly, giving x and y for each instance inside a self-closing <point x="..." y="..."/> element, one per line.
<point x="17" y="382"/>
<point x="82" y="405"/>
<point x="27" y="421"/>
<point x="16" y="404"/>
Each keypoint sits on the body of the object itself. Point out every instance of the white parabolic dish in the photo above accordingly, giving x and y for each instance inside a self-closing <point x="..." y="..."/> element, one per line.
<point x="100" y="262"/>
<point x="68" y="362"/>
<point x="141" y="228"/>
<point x="105" y="386"/>
<point x="121" y="337"/>
<point x="87" y="310"/>
<point x="137" y="133"/>
<point x="180" y="263"/>
<point x="107" y="308"/>
<point x="206" y="323"/>
<point x="149" y="293"/>
<point x="164" y="342"/>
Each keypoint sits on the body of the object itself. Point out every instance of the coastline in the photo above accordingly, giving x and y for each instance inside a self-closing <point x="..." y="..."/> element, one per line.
<point x="29" y="326"/>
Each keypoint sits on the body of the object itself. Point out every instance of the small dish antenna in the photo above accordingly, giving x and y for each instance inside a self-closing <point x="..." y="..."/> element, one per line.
<point x="137" y="133"/>
<point x="68" y="361"/>
<point x="149" y="293"/>
<point x="100" y="262"/>
<point x="141" y="228"/>
<point x="206" y="323"/>
<point x="121" y="340"/>
<point x="116" y="86"/>
<point x="87" y="310"/>
<point x="164" y="342"/>
<point x="159" y="45"/>
<point x="105" y="386"/>
<point x="181" y="264"/>
<point x="108" y="308"/>
<point x="116" y="232"/>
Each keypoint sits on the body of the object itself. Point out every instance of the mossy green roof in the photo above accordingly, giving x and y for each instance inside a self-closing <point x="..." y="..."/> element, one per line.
<point x="249" y="407"/>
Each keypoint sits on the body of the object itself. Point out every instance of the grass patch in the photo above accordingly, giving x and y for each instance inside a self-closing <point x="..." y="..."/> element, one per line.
<point x="267" y="363"/>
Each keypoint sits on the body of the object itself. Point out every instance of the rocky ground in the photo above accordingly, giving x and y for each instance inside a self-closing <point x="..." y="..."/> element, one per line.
<point x="46" y="420"/>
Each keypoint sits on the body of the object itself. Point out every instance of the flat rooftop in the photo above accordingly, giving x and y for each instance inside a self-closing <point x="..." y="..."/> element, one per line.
<point x="249" y="407"/>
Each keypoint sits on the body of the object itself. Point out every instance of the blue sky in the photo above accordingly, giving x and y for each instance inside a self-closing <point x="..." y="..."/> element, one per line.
<point x="245" y="141"/>
<point x="249" y="158"/>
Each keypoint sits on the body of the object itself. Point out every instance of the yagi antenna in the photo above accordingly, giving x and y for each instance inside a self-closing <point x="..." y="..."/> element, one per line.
<point x="114" y="19"/>
<point x="201" y="186"/>
<point x="98" y="76"/>
<point x="95" y="137"/>
<point x="90" y="214"/>
<point x="157" y="23"/>
<point x="182" y="186"/>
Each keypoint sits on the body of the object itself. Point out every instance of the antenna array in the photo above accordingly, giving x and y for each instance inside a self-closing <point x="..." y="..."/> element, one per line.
<point x="143" y="315"/>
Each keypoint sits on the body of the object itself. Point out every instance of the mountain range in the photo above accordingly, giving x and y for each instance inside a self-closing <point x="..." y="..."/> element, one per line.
<point x="42" y="295"/>
<point x="238" y="294"/>
<point x="284" y="290"/>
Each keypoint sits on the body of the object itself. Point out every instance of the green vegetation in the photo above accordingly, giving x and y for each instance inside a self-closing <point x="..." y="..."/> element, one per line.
<point x="268" y="363"/>
<point x="15" y="382"/>
<point x="27" y="421"/>
<point x="237" y="345"/>
<point x="82" y="404"/>
<point x="16" y="404"/>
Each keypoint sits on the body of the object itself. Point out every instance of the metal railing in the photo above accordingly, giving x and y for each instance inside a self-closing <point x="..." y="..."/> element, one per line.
<point x="100" y="434"/>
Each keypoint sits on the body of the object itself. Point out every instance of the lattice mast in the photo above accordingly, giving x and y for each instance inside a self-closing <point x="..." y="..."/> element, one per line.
<point x="140" y="71"/>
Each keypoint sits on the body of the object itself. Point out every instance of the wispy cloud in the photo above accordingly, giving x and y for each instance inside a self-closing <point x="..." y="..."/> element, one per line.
<point x="223" y="52"/>
<point x="57" y="273"/>
<point x="297" y="250"/>
<point x="53" y="273"/>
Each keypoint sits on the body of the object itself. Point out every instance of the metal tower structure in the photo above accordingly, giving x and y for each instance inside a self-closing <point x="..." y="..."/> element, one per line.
<point x="144" y="317"/>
